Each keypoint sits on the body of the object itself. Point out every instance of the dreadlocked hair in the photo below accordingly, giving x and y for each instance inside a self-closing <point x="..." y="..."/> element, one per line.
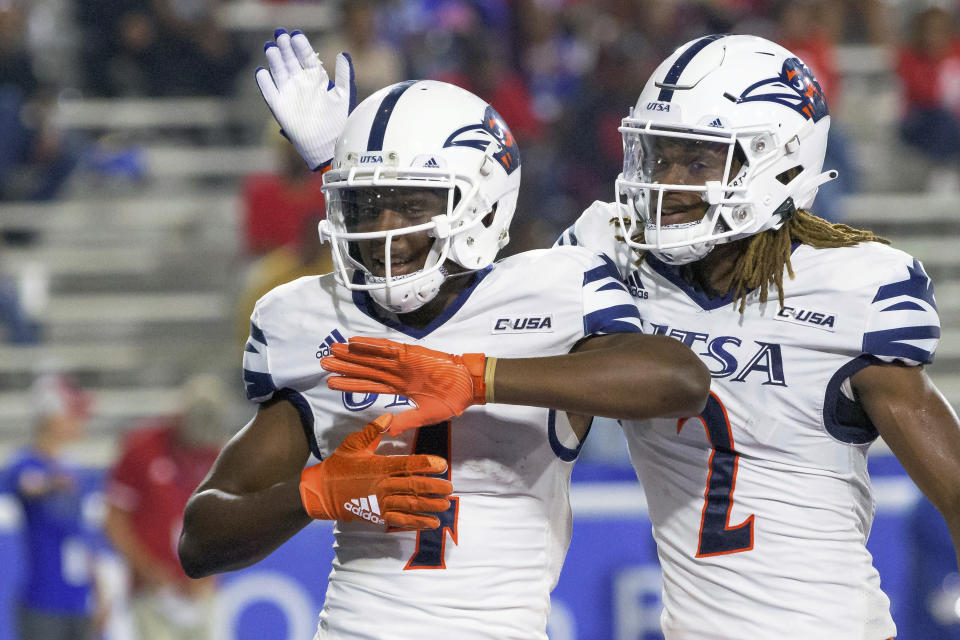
<point x="762" y="263"/>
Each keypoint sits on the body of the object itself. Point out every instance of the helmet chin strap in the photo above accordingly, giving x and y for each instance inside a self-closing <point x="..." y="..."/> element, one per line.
<point x="406" y="293"/>
<point x="683" y="232"/>
<point x="681" y="255"/>
<point x="403" y="294"/>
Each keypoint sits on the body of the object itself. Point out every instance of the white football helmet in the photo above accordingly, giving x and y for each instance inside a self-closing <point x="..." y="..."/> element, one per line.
<point x="433" y="142"/>
<point x="749" y="105"/>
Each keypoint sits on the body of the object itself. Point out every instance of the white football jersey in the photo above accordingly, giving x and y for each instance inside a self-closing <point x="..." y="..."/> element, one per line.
<point x="487" y="572"/>
<point x="761" y="506"/>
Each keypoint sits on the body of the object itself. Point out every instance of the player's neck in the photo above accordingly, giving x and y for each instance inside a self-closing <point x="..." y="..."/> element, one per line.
<point x="714" y="273"/>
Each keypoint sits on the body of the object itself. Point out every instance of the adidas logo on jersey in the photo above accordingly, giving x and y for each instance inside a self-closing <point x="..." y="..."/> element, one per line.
<point x="518" y="324"/>
<point x="323" y="350"/>
<point x="636" y="286"/>
<point x="367" y="508"/>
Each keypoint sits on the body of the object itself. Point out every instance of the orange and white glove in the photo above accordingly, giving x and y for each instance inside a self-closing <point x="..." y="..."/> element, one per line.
<point x="442" y="385"/>
<point x="354" y="483"/>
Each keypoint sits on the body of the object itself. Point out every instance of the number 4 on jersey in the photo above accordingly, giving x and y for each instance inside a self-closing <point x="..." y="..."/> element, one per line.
<point x="435" y="440"/>
<point x="717" y="537"/>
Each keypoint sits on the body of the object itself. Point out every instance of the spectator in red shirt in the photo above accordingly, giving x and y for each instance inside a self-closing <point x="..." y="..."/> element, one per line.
<point x="811" y="28"/>
<point x="277" y="204"/>
<point x="929" y="68"/>
<point x="161" y="464"/>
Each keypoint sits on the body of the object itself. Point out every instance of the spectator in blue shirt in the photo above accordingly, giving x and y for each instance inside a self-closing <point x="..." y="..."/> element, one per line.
<point x="56" y="598"/>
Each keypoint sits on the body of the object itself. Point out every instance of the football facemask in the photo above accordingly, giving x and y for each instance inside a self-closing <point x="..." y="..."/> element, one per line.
<point x="675" y="181"/>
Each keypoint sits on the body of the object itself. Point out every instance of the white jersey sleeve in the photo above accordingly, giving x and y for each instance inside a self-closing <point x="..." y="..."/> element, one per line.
<point x="257" y="378"/>
<point x="606" y="305"/>
<point x="902" y="323"/>
<point x="597" y="230"/>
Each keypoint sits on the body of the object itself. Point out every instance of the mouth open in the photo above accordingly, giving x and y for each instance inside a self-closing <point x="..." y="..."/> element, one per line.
<point x="667" y="219"/>
<point x="399" y="266"/>
<point x="671" y="214"/>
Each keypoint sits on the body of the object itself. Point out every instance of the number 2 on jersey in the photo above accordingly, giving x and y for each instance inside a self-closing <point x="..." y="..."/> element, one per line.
<point x="717" y="537"/>
<point x="434" y="440"/>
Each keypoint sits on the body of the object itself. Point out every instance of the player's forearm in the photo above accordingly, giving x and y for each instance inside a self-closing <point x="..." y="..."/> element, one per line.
<point x="624" y="376"/>
<point x="224" y="531"/>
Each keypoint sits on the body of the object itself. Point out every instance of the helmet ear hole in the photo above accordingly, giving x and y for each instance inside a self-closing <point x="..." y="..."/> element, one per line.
<point x="786" y="177"/>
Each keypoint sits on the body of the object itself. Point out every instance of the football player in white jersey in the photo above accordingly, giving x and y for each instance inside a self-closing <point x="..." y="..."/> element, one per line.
<point x="420" y="193"/>
<point x="762" y="506"/>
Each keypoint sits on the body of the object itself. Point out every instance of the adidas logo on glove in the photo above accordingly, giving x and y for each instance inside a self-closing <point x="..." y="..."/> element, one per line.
<point x="367" y="508"/>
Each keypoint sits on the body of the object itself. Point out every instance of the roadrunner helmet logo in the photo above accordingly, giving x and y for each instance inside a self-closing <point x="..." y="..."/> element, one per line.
<point x="795" y="87"/>
<point x="479" y="136"/>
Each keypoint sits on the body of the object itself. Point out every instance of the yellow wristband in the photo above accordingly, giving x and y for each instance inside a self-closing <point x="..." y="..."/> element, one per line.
<point x="488" y="378"/>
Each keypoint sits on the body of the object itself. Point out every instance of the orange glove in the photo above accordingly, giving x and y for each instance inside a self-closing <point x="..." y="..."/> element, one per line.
<point x="355" y="483"/>
<point x="441" y="385"/>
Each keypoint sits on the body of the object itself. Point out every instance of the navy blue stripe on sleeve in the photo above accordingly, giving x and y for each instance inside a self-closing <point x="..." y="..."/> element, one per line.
<point x="606" y="270"/>
<point x="613" y="286"/>
<point x="567" y="238"/>
<point x="257" y="334"/>
<point x="609" y="320"/>
<point x="889" y="342"/>
<point x="906" y="305"/>
<point x="258" y="385"/>
<point x="618" y="326"/>
<point x="917" y="285"/>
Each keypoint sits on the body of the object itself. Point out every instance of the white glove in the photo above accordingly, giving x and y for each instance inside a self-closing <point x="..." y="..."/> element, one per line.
<point x="311" y="110"/>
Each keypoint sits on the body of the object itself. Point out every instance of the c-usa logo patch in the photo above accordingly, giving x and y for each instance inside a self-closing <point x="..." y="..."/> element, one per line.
<point x="540" y="323"/>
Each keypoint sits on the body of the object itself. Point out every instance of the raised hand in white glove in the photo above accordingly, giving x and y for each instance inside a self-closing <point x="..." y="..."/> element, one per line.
<point x="310" y="109"/>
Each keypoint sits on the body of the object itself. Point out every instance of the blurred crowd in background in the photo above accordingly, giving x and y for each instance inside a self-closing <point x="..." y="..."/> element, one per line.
<point x="562" y="73"/>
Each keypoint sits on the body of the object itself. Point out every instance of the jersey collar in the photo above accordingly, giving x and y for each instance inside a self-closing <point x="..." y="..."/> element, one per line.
<point x="705" y="302"/>
<point x="672" y="273"/>
<point x="365" y="303"/>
